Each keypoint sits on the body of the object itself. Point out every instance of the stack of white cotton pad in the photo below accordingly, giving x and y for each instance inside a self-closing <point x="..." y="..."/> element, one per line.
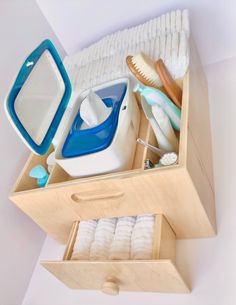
<point x="104" y="235"/>
<point x="142" y="237"/>
<point x="120" y="247"/>
<point x="84" y="239"/>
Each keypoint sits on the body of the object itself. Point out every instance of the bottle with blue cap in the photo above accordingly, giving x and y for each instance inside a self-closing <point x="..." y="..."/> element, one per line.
<point x="156" y="97"/>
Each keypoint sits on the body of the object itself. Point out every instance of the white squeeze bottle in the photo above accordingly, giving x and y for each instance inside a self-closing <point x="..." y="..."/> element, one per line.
<point x="156" y="97"/>
<point x="165" y="126"/>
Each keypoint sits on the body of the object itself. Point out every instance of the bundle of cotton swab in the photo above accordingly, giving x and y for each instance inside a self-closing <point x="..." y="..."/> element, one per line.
<point x="84" y="239"/>
<point x="142" y="237"/>
<point x="104" y="235"/>
<point x="120" y="247"/>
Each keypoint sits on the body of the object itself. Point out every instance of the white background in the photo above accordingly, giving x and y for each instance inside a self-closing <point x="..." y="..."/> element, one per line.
<point x="208" y="264"/>
<point x="22" y="27"/>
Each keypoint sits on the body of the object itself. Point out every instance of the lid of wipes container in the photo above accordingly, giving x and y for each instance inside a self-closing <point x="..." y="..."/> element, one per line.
<point x="39" y="97"/>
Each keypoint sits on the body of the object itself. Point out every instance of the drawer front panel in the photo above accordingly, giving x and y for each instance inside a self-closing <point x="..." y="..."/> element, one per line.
<point x="170" y="192"/>
<point x="160" y="276"/>
<point x="51" y="213"/>
<point x="111" y="276"/>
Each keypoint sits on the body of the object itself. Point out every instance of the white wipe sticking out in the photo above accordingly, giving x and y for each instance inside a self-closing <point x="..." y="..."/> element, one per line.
<point x="93" y="111"/>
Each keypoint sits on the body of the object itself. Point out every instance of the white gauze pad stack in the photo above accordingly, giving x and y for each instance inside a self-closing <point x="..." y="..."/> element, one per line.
<point x="142" y="237"/>
<point x="121" y="238"/>
<point x="104" y="235"/>
<point x="120" y="247"/>
<point x="84" y="239"/>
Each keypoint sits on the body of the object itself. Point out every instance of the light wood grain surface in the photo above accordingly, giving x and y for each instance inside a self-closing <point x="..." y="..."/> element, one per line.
<point x="161" y="276"/>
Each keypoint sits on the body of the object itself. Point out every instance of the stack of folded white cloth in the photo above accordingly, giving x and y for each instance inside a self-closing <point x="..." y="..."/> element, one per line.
<point x="142" y="237"/>
<point x="115" y="238"/>
<point x="120" y="247"/>
<point x="103" y="238"/>
<point x="84" y="239"/>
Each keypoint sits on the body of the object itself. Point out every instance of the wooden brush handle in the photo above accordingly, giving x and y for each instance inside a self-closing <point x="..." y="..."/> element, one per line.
<point x="170" y="86"/>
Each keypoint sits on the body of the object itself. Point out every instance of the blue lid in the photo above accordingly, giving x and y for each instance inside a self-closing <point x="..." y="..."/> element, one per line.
<point x="39" y="97"/>
<point x="87" y="141"/>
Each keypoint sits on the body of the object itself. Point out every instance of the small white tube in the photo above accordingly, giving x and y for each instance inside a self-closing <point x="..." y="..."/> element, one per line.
<point x="162" y="140"/>
<point x="165" y="126"/>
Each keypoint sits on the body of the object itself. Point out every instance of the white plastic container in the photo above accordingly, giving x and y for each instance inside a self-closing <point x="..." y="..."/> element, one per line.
<point x="42" y="111"/>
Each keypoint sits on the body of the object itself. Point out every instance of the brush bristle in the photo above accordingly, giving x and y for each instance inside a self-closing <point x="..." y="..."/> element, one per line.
<point x="145" y="66"/>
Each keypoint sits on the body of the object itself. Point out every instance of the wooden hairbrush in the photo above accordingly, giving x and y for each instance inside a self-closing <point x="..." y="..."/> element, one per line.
<point x="170" y="86"/>
<point x="143" y="68"/>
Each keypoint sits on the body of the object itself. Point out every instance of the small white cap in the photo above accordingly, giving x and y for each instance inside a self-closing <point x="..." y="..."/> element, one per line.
<point x="169" y="159"/>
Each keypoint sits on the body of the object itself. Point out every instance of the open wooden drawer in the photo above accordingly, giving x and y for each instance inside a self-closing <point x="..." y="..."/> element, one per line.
<point x="159" y="274"/>
<point x="184" y="192"/>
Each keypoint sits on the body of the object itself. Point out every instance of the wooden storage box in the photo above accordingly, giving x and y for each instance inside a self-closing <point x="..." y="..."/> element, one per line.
<point x="159" y="274"/>
<point x="184" y="193"/>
